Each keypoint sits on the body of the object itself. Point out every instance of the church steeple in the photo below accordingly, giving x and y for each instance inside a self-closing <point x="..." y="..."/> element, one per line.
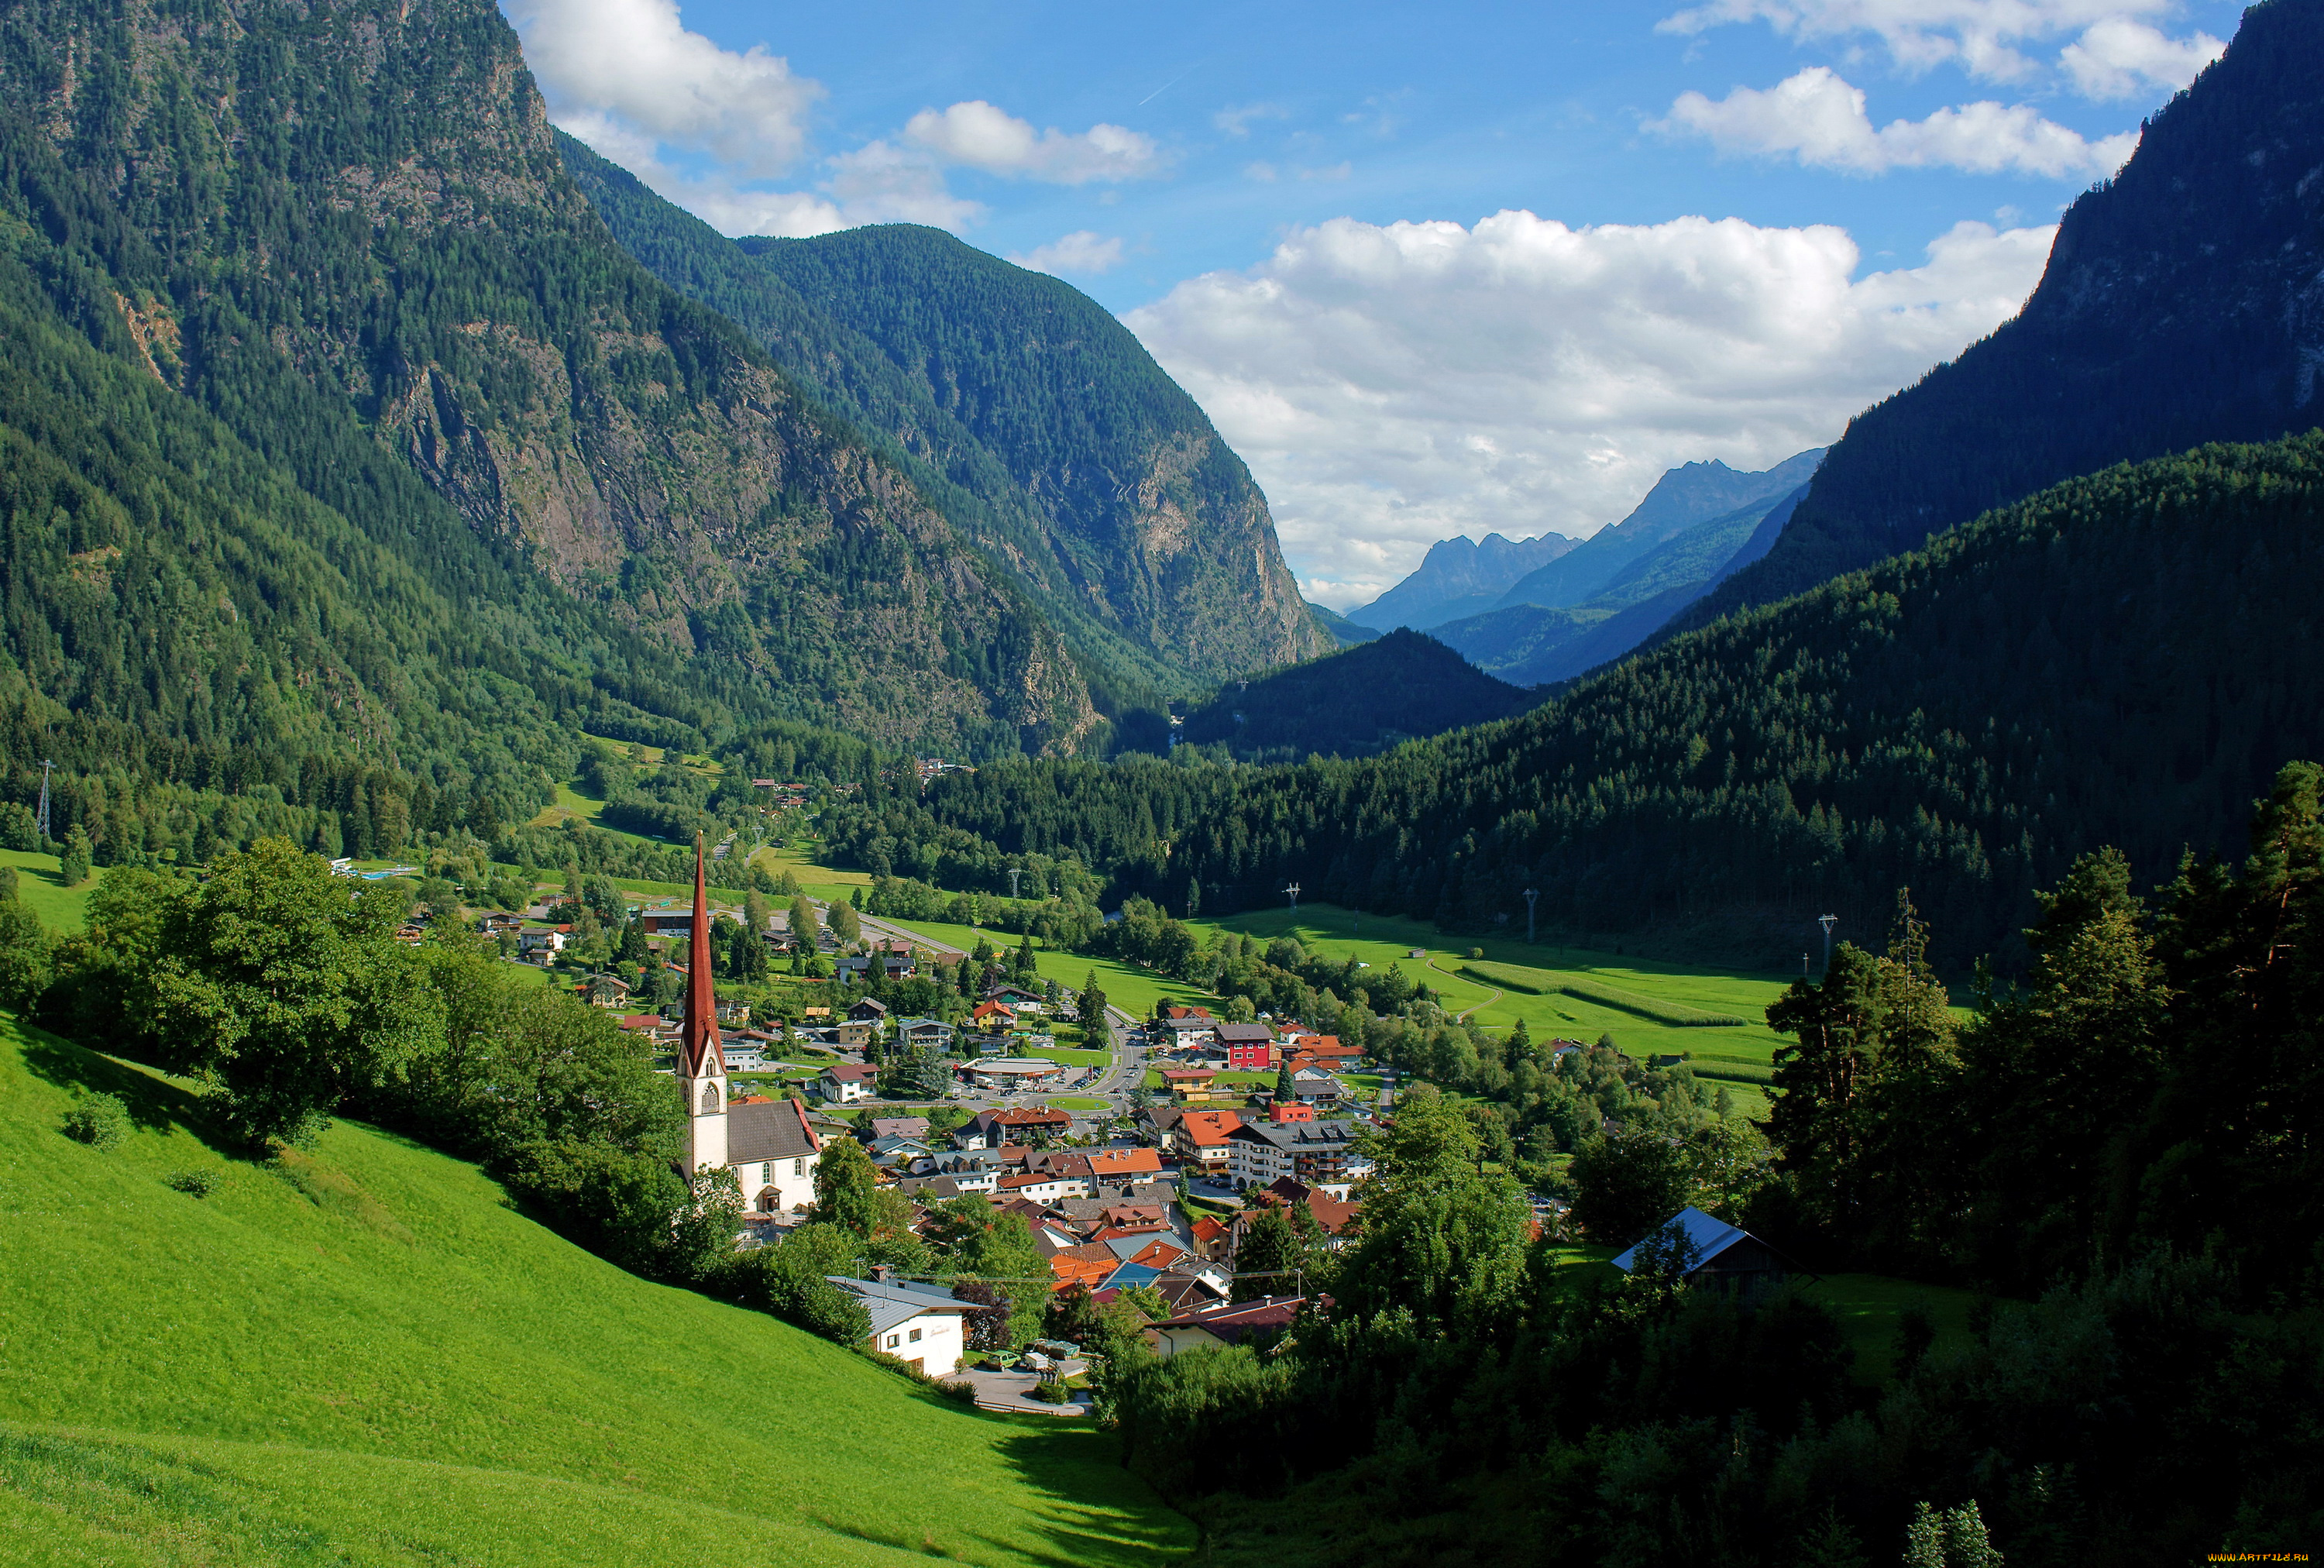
<point x="701" y="1059"/>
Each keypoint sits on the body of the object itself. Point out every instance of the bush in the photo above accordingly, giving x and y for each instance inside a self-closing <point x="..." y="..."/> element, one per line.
<point x="194" y="1184"/>
<point x="100" y="1121"/>
<point x="958" y="1389"/>
<point x="1050" y="1392"/>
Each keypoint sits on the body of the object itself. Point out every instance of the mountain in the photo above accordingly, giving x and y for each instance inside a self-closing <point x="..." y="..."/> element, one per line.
<point x="1683" y="498"/>
<point x="2180" y="306"/>
<point x="1460" y="576"/>
<point x="364" y="1323"/>
<point x="2125" y="659"/>
<point x="1029" y="416"/>
<point x="1400" y="686"/>
<point x="1533" y="646"/>
<point x="1343" y="631"/>
<point x="353" y="466"/>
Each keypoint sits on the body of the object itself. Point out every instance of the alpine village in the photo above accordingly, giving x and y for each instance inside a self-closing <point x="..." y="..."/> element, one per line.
<point x="668" y="899"/>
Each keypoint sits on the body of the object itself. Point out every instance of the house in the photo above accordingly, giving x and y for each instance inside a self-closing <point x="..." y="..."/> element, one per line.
<point x="918" y="1325"/>
<point x="1316" y="1086"/>
<point x="667" y="922"/>
<point x="853" y="1036"/>
<point x="843" y="1084"/>
<point x="1249" y="1047"/>
<point x="1090" y="1264"/>
<point x="1313" y="1152"/>
<point x="1718" y="1254"/>
<point x="994" y="1129"/>
<point x="992" y="1015"/>
<point x="1016" y="999"/>
<point x="924" y="1033"/>
<point x="1224" y="1323"/>
<point x="904" y="1153"/>
<point x="1043" y="1188"/>
<point x="1192" y="1085"/>
<point x="539" y="944"/>
<point x="892" y="960"/>
<point x="1331" y="1213"/>
<point x="746" y="1057"/>
<point x="899" y="1127"/>
<point x="1209" y="1231"/>
<point x="1123" y="1166"/>
<point x="1184" y="1029"/>
<point x="869" y="1010"/>
<point x="1201" y="1138"/>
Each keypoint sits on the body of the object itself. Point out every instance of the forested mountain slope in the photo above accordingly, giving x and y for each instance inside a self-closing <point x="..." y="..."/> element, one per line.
<point x="2125" y="659"/>
<point x="310" y="334"/>
<point x="2180" y="304"/>
<point x="1400" y="686"/>
<point x="1026" y="412"/>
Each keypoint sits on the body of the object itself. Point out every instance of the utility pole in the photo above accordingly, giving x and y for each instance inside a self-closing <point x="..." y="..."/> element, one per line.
<point x="1014" y="872"/>
<point x="1530" y="894"/>
<point x="1293" y="890"/>
<point x="41" y="818"/>
<point x="1803" y="966"/>
<point x="1827" y="922"/>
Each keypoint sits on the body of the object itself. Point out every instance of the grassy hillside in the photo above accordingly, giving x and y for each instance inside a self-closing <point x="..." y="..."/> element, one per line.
<point x="363" y="1355"/>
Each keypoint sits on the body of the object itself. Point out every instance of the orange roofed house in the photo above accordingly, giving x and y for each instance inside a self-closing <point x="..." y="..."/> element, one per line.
<point x="1202" y="1137"/>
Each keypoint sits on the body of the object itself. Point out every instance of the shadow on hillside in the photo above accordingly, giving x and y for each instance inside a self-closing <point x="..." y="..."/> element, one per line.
<point x="155" y="1104"/>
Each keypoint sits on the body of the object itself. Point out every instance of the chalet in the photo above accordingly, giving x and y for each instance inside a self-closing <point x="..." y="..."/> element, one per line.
<point x="1192" y="1085"/>
<point x="1225" y="1324"/>
<point x="918" y="1325"/>
<point x="1314" y="1152"/>
<point x="1249" y="1047"/>
<point x="1016" y="999"/>
<point x="853" y="1036"/>
<point x="538" y="944"/>
<point x="899" y="1127"/>
<point x="1043" y="1188"/>
<point x="843" y="1084"/>
<point x="667" y="922"/>
<point x="1123" y="1166"/>
<point x="1186" y="1029"/>
<point x="1330" y="1213"/>
<point x="994" y="1129"/>
<point x="1717" y="1254"/>
<point x="992" y="1015"/>
<point x="734" y="1012"/>
<point x="924" y="1033"/>
<point x="1200" y="1137"/>
<point x="903" y="1153"/>
<point x="869" y="1010"/>
<point x="1316" y="1086"/>
<point x="889" y="960"/>
<point x="745" y="1057"/>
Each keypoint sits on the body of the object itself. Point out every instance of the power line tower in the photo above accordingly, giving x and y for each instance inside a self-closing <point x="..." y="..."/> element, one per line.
<point x="1827" y="922"/>
<point x="1293" y="890"/>
<point x="1014" y="872"/>
<point x="41" y="818"/>
<point x="1530" y="894"/>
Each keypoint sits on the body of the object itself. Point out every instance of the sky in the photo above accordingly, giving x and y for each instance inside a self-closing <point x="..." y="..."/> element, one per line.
<point x="1455" y="269"/>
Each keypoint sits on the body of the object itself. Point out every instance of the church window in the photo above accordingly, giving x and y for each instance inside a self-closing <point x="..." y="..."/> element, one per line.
<point x="798" y="1167"/>
<point x="767" y="1171"/>
<point x="709" y="1099"/>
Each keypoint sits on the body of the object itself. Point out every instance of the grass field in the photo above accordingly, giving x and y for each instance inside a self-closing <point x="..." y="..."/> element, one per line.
<point x="1381" y="940"/>
<point x="366" y="1357"/>
<point x="1125" y="985"/>
<point x="42" y="891"/>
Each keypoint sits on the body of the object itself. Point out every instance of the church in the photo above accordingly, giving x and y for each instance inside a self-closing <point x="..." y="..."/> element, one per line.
<point x="767" y="1143"/>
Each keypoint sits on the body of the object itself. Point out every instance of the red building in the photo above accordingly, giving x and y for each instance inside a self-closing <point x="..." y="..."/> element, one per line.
<point x="1249" y="1047"/>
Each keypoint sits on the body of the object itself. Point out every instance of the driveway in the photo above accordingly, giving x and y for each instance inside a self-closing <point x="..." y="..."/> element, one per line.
<point x="1006" y="1391"/>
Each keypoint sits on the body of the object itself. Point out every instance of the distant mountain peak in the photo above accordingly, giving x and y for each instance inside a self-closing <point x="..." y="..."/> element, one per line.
<point x="1458" y="577"/>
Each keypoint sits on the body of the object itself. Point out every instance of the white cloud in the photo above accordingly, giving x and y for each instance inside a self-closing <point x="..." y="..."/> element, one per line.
<point x="1262" y="171"/>
<point x="1236" y="122"/>
<point x="976" y="135"/>
<point x="1083" y="252"/>
<point x="1391" y="385"/>
<point x="2118" y="58"/>
<point x="1339" y="171"/>
<point x="881" y="182"/>
<point x="632" y="63"/>
<point x="2115" y="57"/>
<point x="1819" y="118"/>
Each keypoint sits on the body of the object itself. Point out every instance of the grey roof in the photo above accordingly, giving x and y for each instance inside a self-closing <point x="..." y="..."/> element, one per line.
<point x="766" y="1130"/>
<point x="1707" y="1236"/>
<point x="1295" y="1136"/>
<point x="895" y="1302"/>
<point x="1244" y="1033"/>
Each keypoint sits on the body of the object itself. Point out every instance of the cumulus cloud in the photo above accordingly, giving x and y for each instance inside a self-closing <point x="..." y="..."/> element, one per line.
<point x="976" y="135"/>
<point x="2117" y="59"/>
<point x="1394" y="384"/>
<point x="1083" y="253"/>
<point x="632" y="65"/>
<point x="1819" y="118"/>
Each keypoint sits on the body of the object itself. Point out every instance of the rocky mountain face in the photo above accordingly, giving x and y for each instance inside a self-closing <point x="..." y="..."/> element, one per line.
<point x="2184" y="303"/>
<point x="373" y="199"/>
<point x="1026" y="413"/>
<point x="1460" y="576"/>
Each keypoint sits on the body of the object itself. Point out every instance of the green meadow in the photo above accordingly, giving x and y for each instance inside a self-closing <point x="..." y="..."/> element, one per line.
<point x="1746" y="1050"/>
<point x="40" y="887"/>
<point x="363" y="1355"/>
<point x="1126" y="986"/>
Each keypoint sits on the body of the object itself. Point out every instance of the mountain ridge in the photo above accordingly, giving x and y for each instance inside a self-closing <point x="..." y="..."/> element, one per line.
<point x="1456" y="571"/>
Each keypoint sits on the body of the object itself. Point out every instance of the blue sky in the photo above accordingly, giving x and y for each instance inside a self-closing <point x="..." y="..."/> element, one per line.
<point x="1716" y="232"/>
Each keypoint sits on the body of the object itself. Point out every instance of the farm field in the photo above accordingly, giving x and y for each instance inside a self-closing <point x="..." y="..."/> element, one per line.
<point x="39" y="888"/>
<point x="363" y="1355"/>
<point x="1381" y="939"/>
<point x="1125" y="985"/>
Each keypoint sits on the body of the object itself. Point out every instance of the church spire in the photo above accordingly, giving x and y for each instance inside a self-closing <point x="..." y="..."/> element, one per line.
<point x="699" y="1053"/>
